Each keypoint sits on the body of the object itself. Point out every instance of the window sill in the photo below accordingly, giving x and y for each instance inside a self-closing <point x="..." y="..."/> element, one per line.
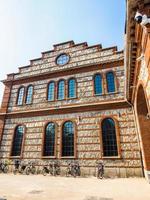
<point x="67" y="157"/>
<point x="49" y="101"/>
<point x="28" y="104"/>
<point x="111" y="157"/>
<point x="71" y="98"/>
<point x="116" y="92"/>
<point x="48" y="157"/>
<point x="11" y="157"/>
<point x="98" y="95"/>
<point x="60" y="99"/>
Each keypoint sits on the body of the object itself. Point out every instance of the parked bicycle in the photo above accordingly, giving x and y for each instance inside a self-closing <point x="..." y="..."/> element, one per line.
<point x="47" y="169"/>
<point x="4" y="167"/>
<point x="19" y="167"/>
<point x="100" y="169"/>
<point x="53" y="168"/>
<point x="56" y="168"/>
<point x="30" y="169"/>
<point x="73" y="169"/>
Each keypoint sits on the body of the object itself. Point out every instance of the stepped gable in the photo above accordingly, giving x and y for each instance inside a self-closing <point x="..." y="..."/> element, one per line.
<point x="81" y="55"/>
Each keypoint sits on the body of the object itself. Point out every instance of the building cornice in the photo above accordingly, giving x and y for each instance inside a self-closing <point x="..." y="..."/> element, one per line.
<point x="69" y="109"/>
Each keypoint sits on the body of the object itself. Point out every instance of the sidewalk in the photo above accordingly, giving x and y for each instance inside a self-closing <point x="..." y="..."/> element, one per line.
<point x="38" y="187"/>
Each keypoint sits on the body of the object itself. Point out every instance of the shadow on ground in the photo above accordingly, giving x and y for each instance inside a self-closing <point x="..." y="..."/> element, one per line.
<point x="97" y="198"/>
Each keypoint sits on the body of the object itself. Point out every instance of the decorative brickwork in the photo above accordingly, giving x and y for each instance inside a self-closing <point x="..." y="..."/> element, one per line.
<point x="86" y="110"/>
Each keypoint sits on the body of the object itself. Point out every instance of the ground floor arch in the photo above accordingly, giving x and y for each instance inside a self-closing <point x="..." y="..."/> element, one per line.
<point x="144" y="128"/>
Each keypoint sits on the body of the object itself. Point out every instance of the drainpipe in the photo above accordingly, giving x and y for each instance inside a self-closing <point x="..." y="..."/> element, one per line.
<point x="141" y="157"/>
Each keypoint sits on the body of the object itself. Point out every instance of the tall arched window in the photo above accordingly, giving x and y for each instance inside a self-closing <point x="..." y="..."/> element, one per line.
<point x="110" y="82"/>
<point x="68" y="139"/>
<point x="72" y="88"/>
<point x="61" y="90"/>
<point x="98" y="84"/>
<point x="29" y="96"/>
<point x="20" y="96"/>
<point x="109" y="137"/>
<point x="49" y="140"/>
<point x="51" y="91"/>
<point x="17" y="141"/>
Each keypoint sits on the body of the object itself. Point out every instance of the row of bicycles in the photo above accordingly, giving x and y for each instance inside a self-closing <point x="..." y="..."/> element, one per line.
<point x="51" y="168"/>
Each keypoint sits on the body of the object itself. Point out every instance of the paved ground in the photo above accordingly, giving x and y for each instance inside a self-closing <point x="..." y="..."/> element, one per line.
<point x="22" y="187"/>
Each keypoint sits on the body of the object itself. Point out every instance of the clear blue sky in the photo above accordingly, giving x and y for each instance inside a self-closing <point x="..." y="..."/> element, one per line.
<point x="28" y="27"/>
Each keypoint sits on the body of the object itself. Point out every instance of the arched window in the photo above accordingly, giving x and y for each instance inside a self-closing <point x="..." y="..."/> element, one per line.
<point x="109" y="137"/>
<point x="20" y="96"/>
<point x="51" y="91"/>
<point x="68" y="139"/>
<point x="72" y="88"/>
<point x="110" y="82"/>
<point x="98" y="84"/>
<point x="29" y="95"/>
<point x="49" y="140"/>
<point x="61" y="90"/>
<point x="17" y="141"/>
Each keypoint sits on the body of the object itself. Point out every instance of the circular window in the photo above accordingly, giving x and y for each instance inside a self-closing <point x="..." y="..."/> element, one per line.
<point x="62" y="59"/>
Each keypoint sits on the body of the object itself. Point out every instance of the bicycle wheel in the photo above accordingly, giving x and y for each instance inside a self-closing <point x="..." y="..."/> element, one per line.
<point x="5" y="169"/>
<point x="74" y="173"/>
<point x="67" y="172"/>
<point x="58" y="171"/>
<point x="15" y="171"/>
<point x="27" y="171"/>
<point x="44" y="172"/>
<point x="33" y="170"/>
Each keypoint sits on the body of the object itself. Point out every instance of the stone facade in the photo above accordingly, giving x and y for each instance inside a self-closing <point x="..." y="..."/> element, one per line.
<point x="86" y="111"/>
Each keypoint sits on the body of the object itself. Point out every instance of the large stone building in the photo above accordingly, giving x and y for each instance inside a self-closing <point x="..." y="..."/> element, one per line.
<point x="76" y="102"/>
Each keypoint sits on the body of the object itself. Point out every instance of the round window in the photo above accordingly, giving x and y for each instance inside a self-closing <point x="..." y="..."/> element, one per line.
<point x="62" y="59"/>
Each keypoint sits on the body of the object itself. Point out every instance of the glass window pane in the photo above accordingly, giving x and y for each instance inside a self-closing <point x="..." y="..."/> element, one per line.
<point x="61" y="90"/>
<point x="62" y="59"/>
<point x="29" y="95"/>
<point x="98" y="84"/>
<point x="110" y="82"/>
<point x="72" y="88"/>
<point x="68" y="139"/>
<point x="49" y="142"/>
<point x="20" y="96"/>
<point x="17" y="141"/>
<point x="51" y="91"/>
<point x="109" y="138"/>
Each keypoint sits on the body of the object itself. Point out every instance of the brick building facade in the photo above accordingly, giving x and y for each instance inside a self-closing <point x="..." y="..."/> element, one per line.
<point x="138" y="74"/>
<point x="94" y="70"/>
<point x="78" y="103"/>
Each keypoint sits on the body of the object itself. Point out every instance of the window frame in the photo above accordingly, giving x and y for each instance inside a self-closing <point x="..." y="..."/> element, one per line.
<point x="117" y="130"/>
<point x="75" y="88"/>
<point x="64" y="89"/>
<point x="18" y="96"/>
<point x="59" y="55"/>
<point x="115" y="82"/>
<point x="48" y="91"/>
<point x="102" y="84"/>
<point x="43" y="141"/>
<point x="75" y="140"/>
<point x="27" y="94"/>
<point x="23" y="142"/>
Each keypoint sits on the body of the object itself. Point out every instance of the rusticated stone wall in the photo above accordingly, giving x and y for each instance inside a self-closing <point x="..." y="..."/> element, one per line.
<point x="85" y="90"/>
<point x="80" y="55"/>
<point x="88" y="143"/>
